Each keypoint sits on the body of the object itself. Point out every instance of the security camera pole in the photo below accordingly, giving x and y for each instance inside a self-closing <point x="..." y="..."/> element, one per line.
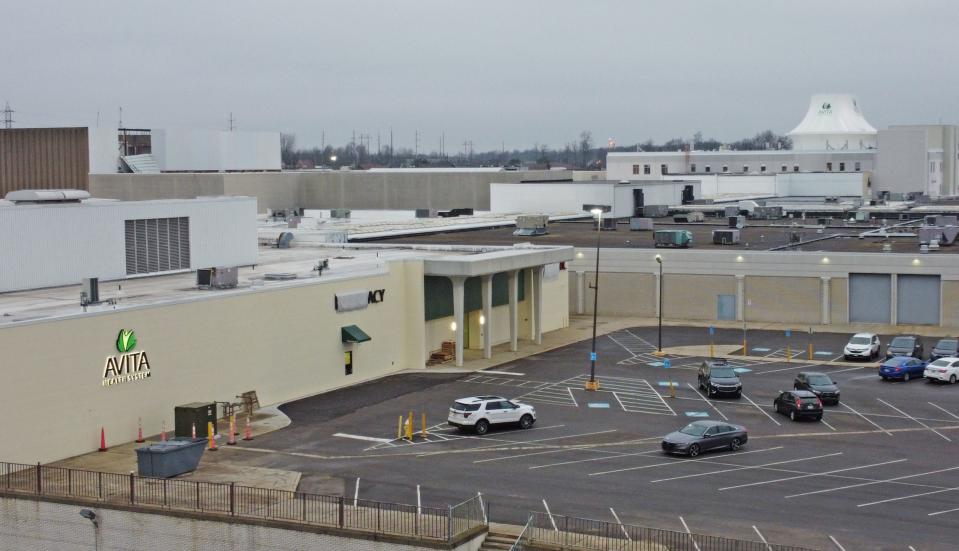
<point x="597" y="211"/>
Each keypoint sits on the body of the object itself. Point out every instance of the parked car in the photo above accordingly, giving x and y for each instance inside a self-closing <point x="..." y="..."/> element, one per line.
<point x="703" y="436"/>
<point x="481" y="412"/>
<point x="717" y="378"/>
<point x="945" y="348"/>
<point x="944" y="370"/>
<point x="819" y="384"/>
<point x="902" y="367"/>
<point x="905" y="345"/>
<point x="862" y="346"/>
<point x="799" y="404"/>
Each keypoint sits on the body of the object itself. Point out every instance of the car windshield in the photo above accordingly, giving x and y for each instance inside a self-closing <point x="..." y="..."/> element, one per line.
<point x="859" y="340"/>
<point x="948" y="344"/>
<point x="694" y="429"/>
<point x="723" y="373"/>
<point x="460" y="406"/>
<point x="901" y="341"/>
<point x="941" y="363"/>
<point x="819" y="380"/>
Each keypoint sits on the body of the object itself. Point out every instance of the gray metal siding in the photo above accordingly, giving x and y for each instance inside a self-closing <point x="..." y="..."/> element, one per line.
<point x="870" y="298"/>
<point x="157" y="245"/>
<point x="917" y="299"/>
<point x="726" y="307"/>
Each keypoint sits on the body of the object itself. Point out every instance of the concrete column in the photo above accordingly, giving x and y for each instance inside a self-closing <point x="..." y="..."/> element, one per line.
<point x="658" y="289"/>
<point x="486" y="289"/>
<point x="826" y="301"/>
<point x="459" y="286"/>
<point x="740" y="297"/>
<point x="538" y="305"/>
<point x="894" y="300"/>
<point x="513" y="299"/>
<point x="580" y="292"/>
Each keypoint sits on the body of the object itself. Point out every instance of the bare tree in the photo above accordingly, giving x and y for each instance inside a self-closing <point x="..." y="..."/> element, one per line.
<point x="585" y="145"/>
<point x="288" y="149"/>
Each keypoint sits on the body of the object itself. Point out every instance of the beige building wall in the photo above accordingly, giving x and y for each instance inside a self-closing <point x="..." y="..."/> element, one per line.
<point x="620" y="294"/>
<point x="839" y="300"/>
<point x="283" y="343"/>
<point x="950" y="303"/>
<point x="784" y="299"/>
<point x="693" y="297"/>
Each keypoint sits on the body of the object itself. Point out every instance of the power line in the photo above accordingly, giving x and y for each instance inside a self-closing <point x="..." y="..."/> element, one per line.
<point x="232" y="122"/>
<point x="8" y="116"/>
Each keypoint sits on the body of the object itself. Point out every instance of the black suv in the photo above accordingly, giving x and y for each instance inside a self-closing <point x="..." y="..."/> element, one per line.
<point x="819" y="384"/>
<point x="945" y="348"/>
<point x="904" y="345"/>
<point x="798" y="404"/>
<point x="717" y="378"/>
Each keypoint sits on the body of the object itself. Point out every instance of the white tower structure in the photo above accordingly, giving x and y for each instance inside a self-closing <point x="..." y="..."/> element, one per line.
<point x="833" y="122"/>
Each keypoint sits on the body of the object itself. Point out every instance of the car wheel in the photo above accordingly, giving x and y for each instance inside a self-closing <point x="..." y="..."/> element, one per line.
<point x="693" y="450"/>
<point x="526" y="421"/>
<point x="952" y="379"/>
<point x="735" y="444"/>
<point x="884" y="378"/>
<point x="794" y="415"/>
<point x="905" y="378"/>
<point x="738" y="395"/>
<point x="481" y="427"/>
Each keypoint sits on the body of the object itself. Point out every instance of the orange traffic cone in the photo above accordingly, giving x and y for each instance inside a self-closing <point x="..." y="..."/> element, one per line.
<point x="103" y="440"/>
<point x="139" y="439"/>
<point x="248" y="431"/>
<point x="231" y="441"/>
<point x="162" y="431"/>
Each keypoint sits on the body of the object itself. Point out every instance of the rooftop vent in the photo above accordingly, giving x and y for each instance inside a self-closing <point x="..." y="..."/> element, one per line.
<point x="280" y="276"/>
<point x="46" y="196"/>
<point x="217" y="278"/>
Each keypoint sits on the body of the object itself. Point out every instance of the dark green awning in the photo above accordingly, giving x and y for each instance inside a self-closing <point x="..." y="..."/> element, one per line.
<point x="352" y="333"/>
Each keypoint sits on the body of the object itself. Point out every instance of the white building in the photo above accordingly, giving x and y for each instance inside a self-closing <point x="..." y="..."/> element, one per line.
<point x="833" y="122"/>
<point x="626" y="197"/>
<point x="53" y="238"/>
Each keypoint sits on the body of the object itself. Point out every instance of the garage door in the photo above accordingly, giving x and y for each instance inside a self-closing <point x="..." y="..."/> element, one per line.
<point x="870" y="298"/>
<point x="917" y="299"/>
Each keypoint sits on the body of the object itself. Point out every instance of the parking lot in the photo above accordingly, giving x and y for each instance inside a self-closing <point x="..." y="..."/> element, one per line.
<point x="879" y="471"/>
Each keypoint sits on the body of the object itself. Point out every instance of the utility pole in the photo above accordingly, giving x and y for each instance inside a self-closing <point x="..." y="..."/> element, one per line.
<point x="120" y="122"/>
<point x="443" y="145"/>
<point x="391" y="146"/>
<point x="353" y="149"/>
<point x="323" y="140"/>
<point x="379" y="149"/>
<point x="232" y="122"/>
<point x="8" y="116"/>
<point x="416" y="144"/>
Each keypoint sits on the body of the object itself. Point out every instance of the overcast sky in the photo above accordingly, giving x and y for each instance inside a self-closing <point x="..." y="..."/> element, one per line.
<point x="513" y="71"/>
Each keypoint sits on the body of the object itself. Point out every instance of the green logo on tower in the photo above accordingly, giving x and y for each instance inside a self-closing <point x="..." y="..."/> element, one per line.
<point x="126" y="341"/>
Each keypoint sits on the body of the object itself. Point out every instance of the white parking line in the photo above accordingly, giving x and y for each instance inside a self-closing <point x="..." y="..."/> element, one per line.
<point x="870" y="483"/>
<point x="762" y="538"/>
<point x="504" y="373"/>
<point x="594" y="459"/>
<point x="947" y="412"/>
<point x="557" y="450"/>
<point x="891" y="499"/>
<point x="356" y="493"/>
<point x="550" y="515"/>
<point x="696" y="392"/>
<point x="619" y="401"/>
<point x="946" y="438"/>
<point x="745" y="467"/>
<point x="681" y="461"/>
<point x="788" y="478"/>
<point x="571" y="397"/>
<point x="845" y="405"/>
<point x="364" y="438"/>
<point x="943" y="512"/>
<point x="849" y="369"/>
<point x="615" y="516"/>
<point x="800" y="366"/>
<point x="823" y="421"/>
<point x="836" y="543"/>
<point x="686" y="527"/>
<point x="764" y="412"/>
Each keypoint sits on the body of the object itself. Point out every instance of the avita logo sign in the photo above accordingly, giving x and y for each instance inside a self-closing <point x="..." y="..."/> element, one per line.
<point x="128" y="365"/>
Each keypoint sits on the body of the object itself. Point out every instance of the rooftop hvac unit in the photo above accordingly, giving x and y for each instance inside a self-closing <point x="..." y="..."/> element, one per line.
<point x="949" y="234"/>
<point x="217" y="278"/>
<point x="672" y="238"/>
<point x="862" y="216"/>
<point x="726" y="237"/>
<point x="426" y="213"/>
<point x="455" y="212"/>
<point x="927" y="234"/>
<point x="795" y="236"/>
<point x="768" y="213"/>
<point x="531" y="225"/>
<point x="738" y="222"/>
<point x="941" y="220"/>
<point x="608" y="224"/>
<point x="283" y="240"/>
<point x="655" y="211"/>
<point x="641" y="224"/>
<point x="89" y="291"/>
<point x="340" y="213"/>
<point x="731" y="211"/>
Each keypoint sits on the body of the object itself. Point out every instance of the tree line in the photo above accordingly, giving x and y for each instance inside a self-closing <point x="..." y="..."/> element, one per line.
<point x="581" y="153"/>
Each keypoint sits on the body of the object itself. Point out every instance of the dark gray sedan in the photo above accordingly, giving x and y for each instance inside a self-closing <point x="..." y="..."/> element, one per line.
<point x="703" y="436"/>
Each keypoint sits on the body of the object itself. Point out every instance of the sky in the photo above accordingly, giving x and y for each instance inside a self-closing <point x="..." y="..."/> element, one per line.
<point x="498" y="73"/>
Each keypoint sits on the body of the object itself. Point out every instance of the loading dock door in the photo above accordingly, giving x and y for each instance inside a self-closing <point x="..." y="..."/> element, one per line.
<point x="917" y="299"/>
<point x="638" y="202"/>
<point x="870" y="298"/>
<point x="726" y="307"/>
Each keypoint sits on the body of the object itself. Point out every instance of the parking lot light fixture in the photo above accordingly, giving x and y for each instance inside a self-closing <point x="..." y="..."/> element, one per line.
<point x="659" y="343"/>
<point x="592" y="383"/>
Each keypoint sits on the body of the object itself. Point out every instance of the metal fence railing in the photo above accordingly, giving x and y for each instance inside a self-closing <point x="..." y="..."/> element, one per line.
<point x="523" y="540"/>
<point x="578" y="533"/>
<point x="435" y="523"/>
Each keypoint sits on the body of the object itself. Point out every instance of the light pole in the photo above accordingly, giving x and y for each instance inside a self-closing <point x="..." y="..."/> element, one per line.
<point x="597" y="211"/>
<point x="659" y="346"/>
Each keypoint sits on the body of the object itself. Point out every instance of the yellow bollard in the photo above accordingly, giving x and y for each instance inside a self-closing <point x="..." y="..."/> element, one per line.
<point x="789" y="354"/>
<point x="810" y="351"/>
<point x="209" y="434"/>
<point x="712" y="354"/>
<point x="744" y="347"/>
<point x="672" y="388"/>
<point x="409" y="427"/>
<point x="399" y="428"/>
<point x="423" y="433"/>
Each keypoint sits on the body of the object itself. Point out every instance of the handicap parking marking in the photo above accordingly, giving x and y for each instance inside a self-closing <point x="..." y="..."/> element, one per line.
<point x="759" y="349"/>
<point x="667" y="384"/>
<point x="505" y="381"/>
<point x="742" y="370"/>
<point x="822" y="353"/>
<point x="705" y="399"/>
<point x="557" y="394"/>
<point x="697" y="414"/>
<point x="599" y="405"/>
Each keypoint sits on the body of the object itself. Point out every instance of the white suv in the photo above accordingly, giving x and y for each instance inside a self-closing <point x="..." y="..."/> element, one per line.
<point x="479" y="412"/>
<point x="862" y="345"/>
<point x="943" y="370"/>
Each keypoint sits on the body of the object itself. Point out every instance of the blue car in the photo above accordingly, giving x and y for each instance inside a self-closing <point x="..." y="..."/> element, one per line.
<point x="902" y="367"/>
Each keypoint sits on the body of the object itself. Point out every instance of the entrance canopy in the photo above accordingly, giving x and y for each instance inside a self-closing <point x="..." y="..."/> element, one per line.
<point x="352" y="333"/>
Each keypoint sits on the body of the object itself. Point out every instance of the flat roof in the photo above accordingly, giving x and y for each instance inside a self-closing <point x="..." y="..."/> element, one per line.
<point x="759" y="235"/>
